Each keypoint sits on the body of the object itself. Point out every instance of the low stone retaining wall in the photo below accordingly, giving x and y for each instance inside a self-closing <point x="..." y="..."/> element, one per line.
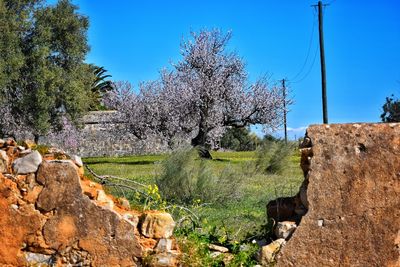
<point x="104" y="135"/>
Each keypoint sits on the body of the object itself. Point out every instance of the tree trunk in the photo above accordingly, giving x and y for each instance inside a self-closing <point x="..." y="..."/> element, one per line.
<point x="199" y="142"/>
<point x="200" y="139"/>
<point x="36" y="138"/>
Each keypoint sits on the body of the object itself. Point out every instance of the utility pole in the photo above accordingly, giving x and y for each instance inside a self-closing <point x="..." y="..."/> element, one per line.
<point x="322" y="56"/>
<point x="284" y="108"/>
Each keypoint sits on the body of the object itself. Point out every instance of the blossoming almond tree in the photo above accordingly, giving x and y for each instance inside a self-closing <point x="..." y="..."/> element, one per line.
<point x="204" y="93"/>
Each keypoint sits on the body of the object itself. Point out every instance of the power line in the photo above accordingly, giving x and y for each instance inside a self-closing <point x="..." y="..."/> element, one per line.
<point x="309" y="69"/>
<point x="308" y="50"/>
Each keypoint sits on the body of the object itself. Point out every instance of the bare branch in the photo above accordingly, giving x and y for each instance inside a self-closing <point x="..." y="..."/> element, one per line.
<point x="182" y="208"/>
<point x="104" y="178"/>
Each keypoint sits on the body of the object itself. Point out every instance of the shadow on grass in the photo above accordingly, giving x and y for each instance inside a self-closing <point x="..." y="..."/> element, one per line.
<point x="141" y="162"/>
<point x="230" y="161"/>
<point x="222" y="160"/>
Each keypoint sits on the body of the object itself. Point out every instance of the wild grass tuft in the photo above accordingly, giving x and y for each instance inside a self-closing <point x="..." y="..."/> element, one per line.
<point x="274" y="156"/>
<point x="185" y="179"/>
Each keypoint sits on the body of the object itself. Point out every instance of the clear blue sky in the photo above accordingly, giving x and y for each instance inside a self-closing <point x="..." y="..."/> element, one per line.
<point x="135" y="39"/>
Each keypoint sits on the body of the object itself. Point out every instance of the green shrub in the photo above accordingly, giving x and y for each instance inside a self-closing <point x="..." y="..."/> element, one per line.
<point x="187" y="179"/>
<point x="239" y="139"/>
<point x="274" y="156"/>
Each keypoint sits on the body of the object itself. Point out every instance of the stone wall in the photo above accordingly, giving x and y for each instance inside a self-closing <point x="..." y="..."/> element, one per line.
<point x="352" y="192"/>
<point x="51" y="215"/>
<point x="104" y="135"/>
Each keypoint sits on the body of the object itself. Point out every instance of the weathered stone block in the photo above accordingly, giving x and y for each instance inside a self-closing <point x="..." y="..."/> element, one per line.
<point x="353" y="196"/>
<point x="27" y="164"/>
<point x="156" y="225"/>
<point x="104" y="234"/>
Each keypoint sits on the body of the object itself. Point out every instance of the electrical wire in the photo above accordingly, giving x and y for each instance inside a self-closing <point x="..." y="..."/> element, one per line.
<point x="310" y="69"/>
<point x="315" y="54"/>
<point x="308" y="50"/>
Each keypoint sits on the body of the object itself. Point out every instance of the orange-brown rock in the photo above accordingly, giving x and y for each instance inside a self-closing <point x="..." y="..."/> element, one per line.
<point x="353" y="197"/>
<point x="11" y="142"/>
<point x="18" y="224"/>
<point x="90" y="188"/>
<point x="104" y="234"/>
<point x="53" y="218"/>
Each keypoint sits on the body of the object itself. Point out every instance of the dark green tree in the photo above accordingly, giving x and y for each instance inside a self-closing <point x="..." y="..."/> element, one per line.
<point x="391" y="110"/>
<point x="13" y="22"/>
<point x="42" y="71"/>
<point x="239" y="139"/>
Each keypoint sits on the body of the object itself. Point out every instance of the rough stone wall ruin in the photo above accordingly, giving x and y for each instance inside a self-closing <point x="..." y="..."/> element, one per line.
<point x="352" y="194"/>
<point x="104" y="135"/>
<point x="51" y="215"/>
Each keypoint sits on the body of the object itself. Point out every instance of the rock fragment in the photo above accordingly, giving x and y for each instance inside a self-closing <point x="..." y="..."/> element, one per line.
<point x="218" y="248"/>
<point x="3" y="161"/>
<point x="77" y="160"/>
<point x="27" y="164"/>
<point x="285" y="229"/>
<point x="156" y="225"/>
<point x="267" y="254"/>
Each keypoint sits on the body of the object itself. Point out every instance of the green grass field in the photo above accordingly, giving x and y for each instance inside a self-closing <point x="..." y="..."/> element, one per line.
<point x="238" y="218"/>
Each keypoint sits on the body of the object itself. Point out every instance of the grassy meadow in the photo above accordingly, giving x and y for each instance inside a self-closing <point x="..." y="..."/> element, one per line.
<point x="238" y="219"/>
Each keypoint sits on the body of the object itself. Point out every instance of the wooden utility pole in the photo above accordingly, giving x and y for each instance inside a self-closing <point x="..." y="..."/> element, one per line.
<point x="284" y="108"/>
<point x="322" y="56"/>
